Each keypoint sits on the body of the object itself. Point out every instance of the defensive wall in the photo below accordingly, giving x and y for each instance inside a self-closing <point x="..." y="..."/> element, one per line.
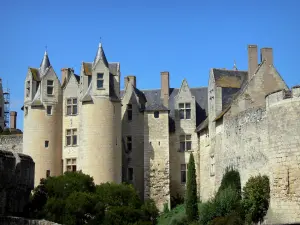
<point x="12" y="142"/>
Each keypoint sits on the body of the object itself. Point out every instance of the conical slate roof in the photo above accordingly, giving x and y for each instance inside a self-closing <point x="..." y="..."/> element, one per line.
<point x="100" y="56"/>
<point x="44" y="64"/>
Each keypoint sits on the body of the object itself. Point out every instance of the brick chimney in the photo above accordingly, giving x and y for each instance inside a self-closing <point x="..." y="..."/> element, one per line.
<point x="131" y="79"/>
<point x="13" y="120"/>
<point x="266" y="54"/>
<point x="165" y="88"/>
<point x="252" y="60"/>
<point x="65" y="73"/>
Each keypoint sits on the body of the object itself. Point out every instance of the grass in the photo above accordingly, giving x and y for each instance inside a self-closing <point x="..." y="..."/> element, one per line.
<point x="177" y="213"/>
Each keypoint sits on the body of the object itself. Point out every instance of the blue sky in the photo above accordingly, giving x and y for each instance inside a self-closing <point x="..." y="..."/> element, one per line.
<point x="186" y="38"/>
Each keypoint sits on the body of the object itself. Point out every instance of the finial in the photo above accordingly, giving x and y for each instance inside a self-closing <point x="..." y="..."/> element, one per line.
<point x="234" y="66"/>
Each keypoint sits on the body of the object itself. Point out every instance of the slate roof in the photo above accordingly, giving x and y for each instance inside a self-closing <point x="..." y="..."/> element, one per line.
<point x="156" y="107"/>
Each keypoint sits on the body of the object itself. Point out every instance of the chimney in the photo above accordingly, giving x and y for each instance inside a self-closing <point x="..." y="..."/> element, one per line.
<point x="131" y="79"/>
<point x="165" y="86"/>
<point x="266" y="54"/>
<point x="13" y="120"/>
<point x="252" y="60"/>
<point x="65" y="73"/>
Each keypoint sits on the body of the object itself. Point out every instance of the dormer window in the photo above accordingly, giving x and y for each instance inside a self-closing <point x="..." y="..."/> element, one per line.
<point x="27" y="89"/>
<point x="156" y="114"/>
<point x="185" y="111"/>
<point x="100" y="80"/>
<point x="50" y="87"/>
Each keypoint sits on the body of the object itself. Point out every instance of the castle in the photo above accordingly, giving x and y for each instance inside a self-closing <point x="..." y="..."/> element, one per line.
<point x="245" y="119"/>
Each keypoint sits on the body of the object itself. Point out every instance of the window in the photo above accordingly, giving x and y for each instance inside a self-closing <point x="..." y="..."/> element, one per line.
<point x="129" y="112"/>
<point x="48" y="173"/>
<point x="156" y="114"/>
<point x="71" y="165"/>
<point x="129" y="143"/>
<point x="89" y="80"/>
<point x="0" y="111"/>
<point x="212" y="165"/>
<point x="130" y="174"/>
<point x="27" y="89"/>
<point x="71" y="137"/>
<point x="49" y="110"/>
<point x="46" y="144"/>
<point x="185" y="111"/>
<point x="26" y="110"/>
<point x="183" y="171"/>
<point x="100" y="80"/>
<point x="185" y="142"/>
<point x="71" y="106"/>
<point x="50" y="84"/>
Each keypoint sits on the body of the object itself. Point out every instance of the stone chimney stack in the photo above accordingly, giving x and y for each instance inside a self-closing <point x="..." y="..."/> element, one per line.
<point x="165" y="88"/>
<point x="13" y="120"/>
<point x="65" y="73"/>
<point x="266" y="54"/>
<point x="252" y="60"/>
<point x="130" y="79"/>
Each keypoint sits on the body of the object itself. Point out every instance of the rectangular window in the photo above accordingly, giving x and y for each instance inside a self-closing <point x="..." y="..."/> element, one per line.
<point x="183" y="170"/>
<point x="48" y="173"/>
<point x="156" y="114"/>
<point x="184" y="111"/>
<point x="185" y="142"/>
<point x="129" y="112"/>
<point x="130" y="174"/>
<point x="71" y="106"/>
<point x="71" y="165"/>
<point x="89" y="80"/>
<point x="71" y="137"/>
<point x="129" y="143"/>
<point x="49" y="110"/>
<point x="0" y="111"/>
<point x="27" y="89"/>
<point x="50" y="87"/>
<point x="46" y="144"/>
<point x="212" y="165"/>
<point x="100" y="80"/>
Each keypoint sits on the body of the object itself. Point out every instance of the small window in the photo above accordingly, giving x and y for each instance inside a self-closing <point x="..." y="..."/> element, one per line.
<point x="100" y="80"/>
<point x="129" y="143"/>
<point x="0" y="111"/>
<point x="89" y="80"/>
<point x="130" y="174"/>
<point x="212" y="165"/>
<point x="156" y="114"/>
<point x="184" y="111"/>
<point x="50" y="87"/>
<point x="27" y="89"/>
<point x="72" y="106"/>
<point x="71" y="137"/>
<point x="183" y="171"/>
<point x="48" y="173"/>
<point x="129" y="112"/>
<point x="46" y="144"/>
<point x="185" y="142"/>
<point x="49" y="110"/>
<point x="71" y="165"/>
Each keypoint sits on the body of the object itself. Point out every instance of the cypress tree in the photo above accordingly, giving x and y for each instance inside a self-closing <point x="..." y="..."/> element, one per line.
<point x="191" y="206"/>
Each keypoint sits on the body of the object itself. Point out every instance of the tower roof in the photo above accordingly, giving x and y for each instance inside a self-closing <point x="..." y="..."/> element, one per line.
<point x="44" y="64"/>
<point x="100" y="56"/>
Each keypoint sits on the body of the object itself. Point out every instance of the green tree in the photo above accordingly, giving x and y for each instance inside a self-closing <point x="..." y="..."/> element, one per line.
<point x="256" y="197"/>
<point x="191" y="206"/>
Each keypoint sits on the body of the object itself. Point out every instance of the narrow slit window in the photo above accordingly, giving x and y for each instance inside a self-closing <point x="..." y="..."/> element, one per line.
<point x="129" y="143"/>
<point x="46" y="144"/>
<point x="129" y="112"/>
<point x="183" y="170"/>
<point x="156" y="114"/>
<point x="49" y="110"/>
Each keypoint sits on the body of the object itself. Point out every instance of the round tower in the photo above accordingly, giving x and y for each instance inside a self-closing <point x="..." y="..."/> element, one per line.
<point x="100" y="122"/>
<point x="42" y="138"/>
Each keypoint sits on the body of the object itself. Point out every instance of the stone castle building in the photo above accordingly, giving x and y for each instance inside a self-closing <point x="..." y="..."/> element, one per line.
<point x="245" y="119"/>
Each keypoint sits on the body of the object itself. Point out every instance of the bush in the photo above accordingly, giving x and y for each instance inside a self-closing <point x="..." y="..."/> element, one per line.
<point x="256" y="196"/>
<point x="232" y="179"/>
<point x="166" y="208"/>
<point x="176" y="200"/>
<point x="191" y="206"/>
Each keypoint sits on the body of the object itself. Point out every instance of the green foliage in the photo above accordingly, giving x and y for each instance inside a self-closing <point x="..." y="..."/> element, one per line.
<point x="191" y="206"/>
<point x="256" y="196"/>
<point x="166" y="208"/>
<point x="175" y="214"/>
<point x="176" y="200"/>
<point x="231" y="178"/>
<point x="231" y="219"/>
<point x="150" y="211"/>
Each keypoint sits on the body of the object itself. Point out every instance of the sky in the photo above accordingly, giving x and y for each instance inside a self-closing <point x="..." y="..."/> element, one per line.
<point x="186" y="38"/>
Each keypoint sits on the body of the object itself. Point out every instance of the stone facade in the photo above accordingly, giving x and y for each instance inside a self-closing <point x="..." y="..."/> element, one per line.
<point x="145" y="137"/>
<point x="13" y="142"/>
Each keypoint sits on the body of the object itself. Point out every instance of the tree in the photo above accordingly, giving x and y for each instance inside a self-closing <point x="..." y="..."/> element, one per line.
<point x="256" y="196"/>
<point x="191" y="206"/>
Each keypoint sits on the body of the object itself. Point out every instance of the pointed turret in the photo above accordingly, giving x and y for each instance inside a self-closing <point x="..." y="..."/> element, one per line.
<point x="44" y="64"/>
<point x="100" y="56"/>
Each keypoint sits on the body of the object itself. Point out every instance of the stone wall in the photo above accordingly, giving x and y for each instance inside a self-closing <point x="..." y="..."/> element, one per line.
<point x="12" y="142"/>
<point x="22" y="221"/>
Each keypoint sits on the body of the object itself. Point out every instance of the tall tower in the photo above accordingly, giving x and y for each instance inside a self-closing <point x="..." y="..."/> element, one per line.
<point x="100" y="120"/>
<point x="1" y="107"/>
<point x="42" y="138"/>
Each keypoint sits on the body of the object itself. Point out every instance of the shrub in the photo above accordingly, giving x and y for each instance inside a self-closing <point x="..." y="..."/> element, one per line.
<point x="256" y="196"/>
<point x="230" y="178"/>
<point x="150" y="211"/>
<point x="176" y="200"/>
<point x="166" y="208"/>
<point x="191" y="206"/>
